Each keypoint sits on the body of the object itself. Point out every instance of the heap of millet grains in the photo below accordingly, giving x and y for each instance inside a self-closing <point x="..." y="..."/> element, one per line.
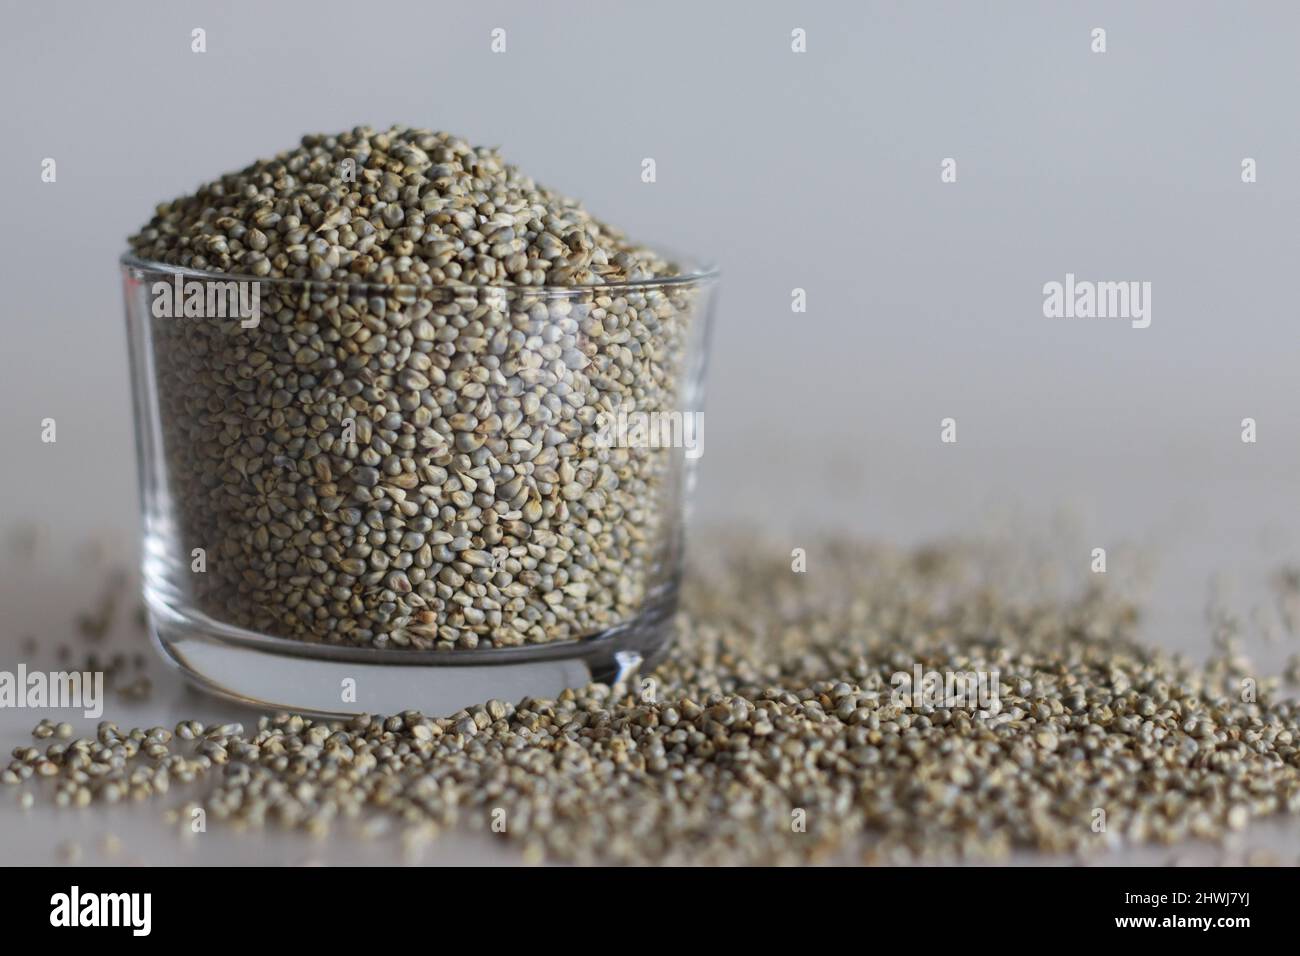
<point x="770" y="735"/>
<point x="404" y="452"/>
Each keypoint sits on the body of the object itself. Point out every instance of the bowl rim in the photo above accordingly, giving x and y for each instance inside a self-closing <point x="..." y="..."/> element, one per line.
<point x="698" y="273"/>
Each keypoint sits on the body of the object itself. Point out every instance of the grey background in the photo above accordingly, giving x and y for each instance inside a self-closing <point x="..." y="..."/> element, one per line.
<point x="818" y="171"/>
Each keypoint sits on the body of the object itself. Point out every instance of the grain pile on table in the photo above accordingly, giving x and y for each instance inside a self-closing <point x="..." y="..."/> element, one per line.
<point x="771" y="735"/>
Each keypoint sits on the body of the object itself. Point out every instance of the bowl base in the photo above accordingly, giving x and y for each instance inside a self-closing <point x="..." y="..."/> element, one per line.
<point x="274" y="673"/>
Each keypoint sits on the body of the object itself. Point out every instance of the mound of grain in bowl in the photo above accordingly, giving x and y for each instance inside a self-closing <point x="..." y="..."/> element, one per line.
<point x="406" y="450"/>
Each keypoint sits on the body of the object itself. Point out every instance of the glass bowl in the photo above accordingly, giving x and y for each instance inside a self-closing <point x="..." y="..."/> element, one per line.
<point x="372" y="498"/>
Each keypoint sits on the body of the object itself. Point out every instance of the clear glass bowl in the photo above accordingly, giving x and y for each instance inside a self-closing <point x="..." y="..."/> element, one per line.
<point x="362" y="498"/>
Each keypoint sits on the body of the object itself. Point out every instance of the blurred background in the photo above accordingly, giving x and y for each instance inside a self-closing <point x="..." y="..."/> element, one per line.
<point x="818" y="171"/>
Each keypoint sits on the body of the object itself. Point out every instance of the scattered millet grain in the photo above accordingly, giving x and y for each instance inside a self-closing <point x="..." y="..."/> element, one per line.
<point x="771" y="735"/>
<point x="92" y="652"/>
<point x="1286" y="589"/>
<point x="93" y="625"/>
<point x="110" y="844"/>
<point x="474" y="506"/>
